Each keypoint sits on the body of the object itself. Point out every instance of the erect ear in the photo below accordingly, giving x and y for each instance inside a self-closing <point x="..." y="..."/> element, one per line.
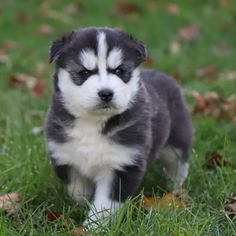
<point x="59" y="46"/>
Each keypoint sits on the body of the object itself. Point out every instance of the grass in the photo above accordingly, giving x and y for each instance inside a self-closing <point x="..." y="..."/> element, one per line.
<point x="24" y="166"/>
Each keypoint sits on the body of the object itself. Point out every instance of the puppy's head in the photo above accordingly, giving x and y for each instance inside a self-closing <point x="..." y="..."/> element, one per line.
<point x="97" y="70"/>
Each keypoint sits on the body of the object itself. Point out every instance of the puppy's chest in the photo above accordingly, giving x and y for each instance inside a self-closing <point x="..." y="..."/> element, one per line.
<point x="90" y="151"/>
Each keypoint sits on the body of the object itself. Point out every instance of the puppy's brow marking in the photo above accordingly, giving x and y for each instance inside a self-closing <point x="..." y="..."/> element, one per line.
<point x="114" y="58"/>
<point x="102" y="52"/>
<point x="88" y="59"/>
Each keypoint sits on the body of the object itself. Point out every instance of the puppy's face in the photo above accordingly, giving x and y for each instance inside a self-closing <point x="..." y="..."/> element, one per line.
<point x="97" y="71"/>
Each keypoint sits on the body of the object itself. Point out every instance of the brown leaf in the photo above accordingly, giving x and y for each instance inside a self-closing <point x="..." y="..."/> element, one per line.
<point x="177" y="76"/>
<point x="73" y="8"/>
<point x="4" y="58"/>
<point x="9" y="202"/>
<point x="167" y="201"/>
<point x="214" y="159"/>
<point x="230" y="209"/>
<point x="45" y="30"/>
<point x="127" y="8"/>
<point x="8" y="45"/>
<point x="22" y="17"/>
<point x="148" y="62"/>
<point x="208" y="71"/>
<point x="81" y="230"/>
<point x="172" y="9"/>
<point x="230" y="75"/>
<point x="188" y="33"/>
<point x="39" y="88"/>
<point x="19" y="81"/>
<point x="52" y="216"/>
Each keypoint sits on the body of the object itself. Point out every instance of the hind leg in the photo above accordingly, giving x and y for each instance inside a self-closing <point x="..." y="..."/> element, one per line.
<point x="175" y="167"/>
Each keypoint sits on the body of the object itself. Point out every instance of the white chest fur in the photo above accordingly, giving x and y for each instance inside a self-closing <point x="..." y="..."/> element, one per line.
<point x="91" y="152"/>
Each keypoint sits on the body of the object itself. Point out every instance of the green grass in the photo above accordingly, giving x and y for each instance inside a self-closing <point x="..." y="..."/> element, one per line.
<point x="24" y="166"/>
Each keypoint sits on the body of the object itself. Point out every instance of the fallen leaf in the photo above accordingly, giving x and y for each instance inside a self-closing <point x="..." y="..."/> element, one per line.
<point x="230" y="75"/>
<point x="8" y="45"/>
<point x="9" y="202"/>
<point x="174" y="47"/>
<point x="19" y="81"/>
<point x="207" y="71"/>
<point x="52" y="216"/>
<point x="4" y="59"/>
<point x="214" y="159"/>
<point x="230" y="208"/>
<point x="172" y="9"/>
<point x="127" y="8"/>
<point x="38" y="88"/>
<point x="176" y="75"/>
<point x="210" y="104"/>
<point x="22" y="17"/>
<point x="80" y="231"/>
<point x="73" y="8"/>
<point x="188" y="33"/>
<point x="148" y="62"/>
<point x="166" y="201"/>
<point x="46" y="11"/>
<point x="45" y="30"/>
<point x="37" y="130"/>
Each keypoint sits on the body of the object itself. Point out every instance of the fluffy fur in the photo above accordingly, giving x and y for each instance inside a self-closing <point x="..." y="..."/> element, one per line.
<point x="109" y="119"/>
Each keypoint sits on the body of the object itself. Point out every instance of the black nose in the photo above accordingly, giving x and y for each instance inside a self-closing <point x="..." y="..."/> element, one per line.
<point x="105" y="95"/>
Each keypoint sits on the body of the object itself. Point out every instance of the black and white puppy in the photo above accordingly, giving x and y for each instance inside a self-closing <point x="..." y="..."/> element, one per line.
<point x="109" y="119"/>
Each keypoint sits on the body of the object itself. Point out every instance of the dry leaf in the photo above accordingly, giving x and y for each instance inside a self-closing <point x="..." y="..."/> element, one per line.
<point x="8" y="45"/>
<point x="208" y="71"/>
<point x="73" y="8"/>
<point x="80" y="231"/>
<point x="176" y="75"/>
<point x="45" y="30"/>
<point x="188" y="33"/>
<point x="52" y="216"/>
<point x="20" y="81"/>
<point x="230" y="209"/>
<point x="167" y="201"/>
<point x="148" y="62"/>
<point x="230" y="75"/>
<point x="9" y="202"/>
<point x="37" y="130"/>
<point x="214" y="159"/>
<point x="174" y="47"/>
<point x="38" y="88"/>
<point x="22" y="17"/>
<point x="127" y="8"/>
<point x="172" y="9"/>
<point x="4" y="59"/>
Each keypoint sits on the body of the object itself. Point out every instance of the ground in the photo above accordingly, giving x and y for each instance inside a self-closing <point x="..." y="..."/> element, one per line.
<point x="201" y="57"/>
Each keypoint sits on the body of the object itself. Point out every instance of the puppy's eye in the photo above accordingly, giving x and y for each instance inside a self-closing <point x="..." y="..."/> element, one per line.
<point x="84" y="73"/>
<point x="118" y="71"/>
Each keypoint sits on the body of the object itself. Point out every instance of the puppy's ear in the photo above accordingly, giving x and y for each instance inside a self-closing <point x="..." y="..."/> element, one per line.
<point x="59" y="46"/>
<point x="140" y="49"/>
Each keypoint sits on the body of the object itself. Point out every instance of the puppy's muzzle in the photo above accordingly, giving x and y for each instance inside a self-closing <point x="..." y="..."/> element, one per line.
<point x="106" y="95"/>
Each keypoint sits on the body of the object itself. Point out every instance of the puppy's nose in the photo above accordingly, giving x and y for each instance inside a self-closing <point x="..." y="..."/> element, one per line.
<point x="105" y="95"/>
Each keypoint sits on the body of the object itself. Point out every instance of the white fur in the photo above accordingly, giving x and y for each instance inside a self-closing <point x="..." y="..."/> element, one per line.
<point x="114" y="58"/>
<point x="79" y="187"/>
<point x="103" y="207"/>
<point x="88" y="59"/>
<point x="90" y="152"/>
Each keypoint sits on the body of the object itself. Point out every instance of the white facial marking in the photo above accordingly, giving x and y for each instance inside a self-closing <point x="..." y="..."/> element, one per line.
<point x="102" y="53"/>
<point x="114" y="58"/>
<point x="88" y="59"/>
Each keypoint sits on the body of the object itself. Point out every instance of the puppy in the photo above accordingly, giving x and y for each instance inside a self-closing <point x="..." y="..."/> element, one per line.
<point x="109" y="119"/>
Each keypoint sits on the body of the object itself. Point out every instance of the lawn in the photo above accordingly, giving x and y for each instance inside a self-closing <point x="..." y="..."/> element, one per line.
<point x="202" y="61"/>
